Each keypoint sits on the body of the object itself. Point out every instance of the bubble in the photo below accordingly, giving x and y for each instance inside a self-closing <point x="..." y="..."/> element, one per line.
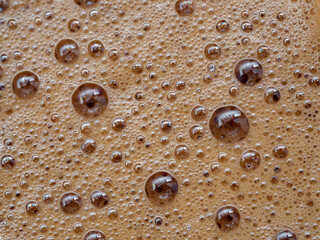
<point x="74" y="25"/>
<point x="118" y="124"/>
<point x="12" y="24"/>
<point x="139" y="96"/>
<point x="48" y="198"/>
<point x="113" y="54"/>
<point x="182" y="151"/>
<point x="281" y="16"/>
<point x="249" y="71"/>
<point x="271" y="95"/>
<point x="286" y="235"/>
<point x="89" y="99"/>
<point x="166" y="125"/>
<point x="7" y="161"/>
<point x="137" y="68"/>
<point x="67" y="51"/>
<point x="184" y="7"/>
<point x="85" y="3"/>
<point x="161" y="187"/>
<point x="116" y="156"/>
<point x="227" y="218"/>
<point x="25" y="84"/>
<point x="229" y="124"/>
<point x="32" y="208"/>
<point x="70" y="202"/>
<point x="263" y="51"/>
<point x="222" y="26"/>
<point x="234" y="91"/>
<point x="89" y="146"/>
<point x="314" y="82"/>
<point x="280" y="151"/>
<point x="99" y="199"/>
<point x="212" y="51"/>
<point x="158" y="221"/>
<point x="246" y="26"/>
<point x="196" y="132"/>
<point x="250" y="160"/>
<point x="199" y="113"/>
<point x="96" y="48"/>
<point x="4" y="4"/>
<point x="94" y="235"/>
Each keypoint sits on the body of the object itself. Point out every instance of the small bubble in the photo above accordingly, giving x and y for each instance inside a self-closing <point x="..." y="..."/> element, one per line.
<point x="70" y="202"/>
<point x="196" y="132"/>
<point x="314" y="82"/>
<point x="12" y="24"/>
<point x="250" y="160"/>
<point x="96" y="48"/>
<point x="74" y="25"/>
<point x="246" y="26"/>
<point x="281" y="16"/>
<point x="199" y="113"/>
<point x="234" y="91"/>
<point x="89" y="99"/>
<point x="118" y="124"/>
<point x="85" y="3"/>
<point x="25" y="84"/>
<point x="7" y="162"/>
<point x="137" y="68"/>
<point x="182" y="151"/>
<point x="263" y="51"/>
<point x="249" y="71"/>
<point x="89" y="146"/>
<point x="158" y="221"/>
<point x="166" y="125"/>
<point x="161" y="187"/>
<point x="67" y="51"/>
<point x="116" y="156"/>
<point x="94" y="235"/>
<point x="280" y="151"/>
<point x="227" y="218"/>
<point x="222" y="26"/>
<point x="32" y="208"/>
<point x="113" y="54"/>
<point x="212" y="51"/>
<point x="271" y="95"/>
<point x="48" y="198"/>
<point x="99" y="199"/>
<point x="184" y="7"/>
<point x="78" y="228"/>
<point x="286" y="235"/>
<point x="229" y="124"/>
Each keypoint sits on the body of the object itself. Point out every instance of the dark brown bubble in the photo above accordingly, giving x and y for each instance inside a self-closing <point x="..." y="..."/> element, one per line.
<point x="25" y="84"/>
<point x="280" y="151"/>
<point x="161" y="187"/>
<point x="314" y="82"/>
<point x="249" y="71"/>
<point x="250" y="160"/>
<point x="184" y="7"/>
<point x="70" y="202"/>
<point x="139" y="96"/>
<point x="263" y="51"/>
<point x="286" y="235"/>
<point x="67" y="51"/>
<point x="227" y="218"/>
<point x="246" y="26"/>
<point x="166" y="125"/>
<point x="116" y="156"/>
<point x="94" y="235"/>
<point x="113" y="54"/>
<point x="32" y="208"/>
<point x="212" y="51"/>
<point x="281" y="16"/>
<point x="74" y="25"/>
<point x="137" y="68"/>
<point x="99" y="199"/>
<point x="272" y="95"/>
<point x="7" y="161"/>
<point x="89" y="146"/>
<point x="199" y="113"/>
<point x="158" y="221"/>
<point x="229" y="124"/>
<point x="182" y="151"/>
<point x="85" y="3"/>
<point x="118" y="124"/>
<point x="196" y="132"/>
<point x="4" y="4"/>
<point x="89" y="99"/>
<point x="222" y="26"/>
<point x="96" y="48"/>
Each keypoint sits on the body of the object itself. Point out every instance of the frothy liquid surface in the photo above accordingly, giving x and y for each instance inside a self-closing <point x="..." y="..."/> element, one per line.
<point x="159" y="119"/>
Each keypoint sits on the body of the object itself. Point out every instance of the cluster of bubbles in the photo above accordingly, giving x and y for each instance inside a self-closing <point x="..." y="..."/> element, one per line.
<point x="228" y="124"/>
